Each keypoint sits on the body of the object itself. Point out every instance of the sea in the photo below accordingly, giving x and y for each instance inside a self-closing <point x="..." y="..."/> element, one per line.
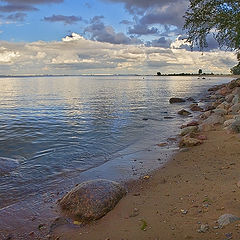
<point x="66" y="129"/>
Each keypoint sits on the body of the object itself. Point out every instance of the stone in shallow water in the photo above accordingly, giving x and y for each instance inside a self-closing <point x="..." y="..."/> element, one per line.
<point x="176" y="100"/>
<point x="91" y="200"/>
<point x="7" y="165"/>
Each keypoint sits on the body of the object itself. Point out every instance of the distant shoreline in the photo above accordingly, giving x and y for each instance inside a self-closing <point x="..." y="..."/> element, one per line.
<point x="121" y="75"/>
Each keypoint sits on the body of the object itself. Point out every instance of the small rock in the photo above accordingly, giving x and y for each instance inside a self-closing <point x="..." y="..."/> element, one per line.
<point x="227" y="219"/>
<point x="203" y="228"/>
<point x="189" y="142"/>
<point x="195" y="108"/>
<point x="177" y="100"/>
<point x="184" y="112"/>
<point x="188" y="130"/>
<point x="162" y="144"/>
<point x="228" y="235"/>
<point x="184" y="211"/>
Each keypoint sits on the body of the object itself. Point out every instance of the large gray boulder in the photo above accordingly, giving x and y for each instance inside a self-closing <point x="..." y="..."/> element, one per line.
<point x="91" y="200"/>
<point x="7" y="165"/>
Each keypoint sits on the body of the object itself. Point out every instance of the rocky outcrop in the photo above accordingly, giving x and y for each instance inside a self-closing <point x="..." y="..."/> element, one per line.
<point x="91" y="200"/>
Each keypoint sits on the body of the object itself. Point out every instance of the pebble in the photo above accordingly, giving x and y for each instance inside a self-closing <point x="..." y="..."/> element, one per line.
<point x="203" y="228"/>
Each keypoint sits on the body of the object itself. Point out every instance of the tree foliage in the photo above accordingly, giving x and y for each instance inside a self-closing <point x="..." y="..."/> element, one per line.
<point x="218" y="17"/>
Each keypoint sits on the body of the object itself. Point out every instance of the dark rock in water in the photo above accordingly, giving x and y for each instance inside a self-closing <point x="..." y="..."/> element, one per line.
<point x="184" y="112"/>
<point x="7" y="165"/>
<point x="195" y="108"/>
<point x="177" y="100"/>
<point x="168" y="117"/>
<point x="91" y="200"/>
<point x="145" y="119"/>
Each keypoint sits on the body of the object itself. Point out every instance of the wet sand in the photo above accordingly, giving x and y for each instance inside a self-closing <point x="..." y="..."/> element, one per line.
<point x="196" y="187"/>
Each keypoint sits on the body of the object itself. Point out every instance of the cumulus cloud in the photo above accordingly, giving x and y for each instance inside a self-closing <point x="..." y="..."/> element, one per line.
<point x="100" y="32"/>
<point x="140" y="29"/>
<point x="17" y="17"/>
<point x="24" y="5"/>
<point x="160" y="42"/>
<point x="17" y="8"/>
<point x="32" y="1"/>
<point x="65" y="19"/>
<point x="77" y="55"/>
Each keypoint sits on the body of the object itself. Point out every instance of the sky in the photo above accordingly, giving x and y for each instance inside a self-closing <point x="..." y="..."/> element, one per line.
<point x="101" y="37"/>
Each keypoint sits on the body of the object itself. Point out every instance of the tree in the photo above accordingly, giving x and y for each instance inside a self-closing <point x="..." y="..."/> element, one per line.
<point x="236" y="69"/>
<point x="200" y="71"/>
<point x="159" y="74"/>
<point x="218" y="17"/>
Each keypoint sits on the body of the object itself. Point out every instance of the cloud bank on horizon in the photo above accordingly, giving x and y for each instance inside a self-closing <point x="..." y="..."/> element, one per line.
<point x="112" y="36"/>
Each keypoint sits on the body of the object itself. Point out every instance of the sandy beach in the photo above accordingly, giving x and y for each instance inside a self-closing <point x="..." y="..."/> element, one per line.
<point x="192" y="190"/>
<point x="196" y="187"/>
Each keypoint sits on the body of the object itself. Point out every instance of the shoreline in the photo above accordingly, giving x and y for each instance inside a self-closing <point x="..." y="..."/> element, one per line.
<point x="195" y="188"/>
<point x="182" y="200"/>
<point x="39" y="233"/>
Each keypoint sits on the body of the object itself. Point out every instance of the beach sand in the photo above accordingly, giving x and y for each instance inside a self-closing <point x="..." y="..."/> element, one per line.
<point x="196" y="187"/>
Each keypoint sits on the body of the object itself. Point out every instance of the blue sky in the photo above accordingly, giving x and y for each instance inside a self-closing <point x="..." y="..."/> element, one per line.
<point x="122" y="36"/>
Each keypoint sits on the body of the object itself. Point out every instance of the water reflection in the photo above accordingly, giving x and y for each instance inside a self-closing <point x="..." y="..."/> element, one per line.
<point x="62" y="125"/>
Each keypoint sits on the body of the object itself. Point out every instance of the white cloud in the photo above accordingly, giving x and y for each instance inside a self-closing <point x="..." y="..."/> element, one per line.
<point x="76" y="55"/>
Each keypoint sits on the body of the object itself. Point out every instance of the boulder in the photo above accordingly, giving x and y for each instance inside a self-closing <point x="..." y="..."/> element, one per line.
<point x="177" y="100"/>
<point x="236" y="91"/>
<point x="206" y="114"/>
<point x="234" y="127"/>
<point x="224" y="105"/>
<point x="223" y="91"/>
<point x="227" y="219"/>
<point x="188" y="130"/>
<point x="7" y="165"/>
<point x="234" y="83"/>
<point x="228" y="122"/>
<point x="189" y="142"/>
<point x="184" y="112"/>
<point x="235" y="108"/>
<point x="229" y="98"/>
<point x="214" y="119"/>
<point x="235" y="99"/>
<point x="220" y="112"/>
<point x="91" y="200"/>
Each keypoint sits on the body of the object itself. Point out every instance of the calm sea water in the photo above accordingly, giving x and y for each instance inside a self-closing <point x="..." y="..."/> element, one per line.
<point x="57" y="126"/>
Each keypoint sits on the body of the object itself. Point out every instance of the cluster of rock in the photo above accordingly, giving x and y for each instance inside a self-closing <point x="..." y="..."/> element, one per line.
<point x="223" y="110"/>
